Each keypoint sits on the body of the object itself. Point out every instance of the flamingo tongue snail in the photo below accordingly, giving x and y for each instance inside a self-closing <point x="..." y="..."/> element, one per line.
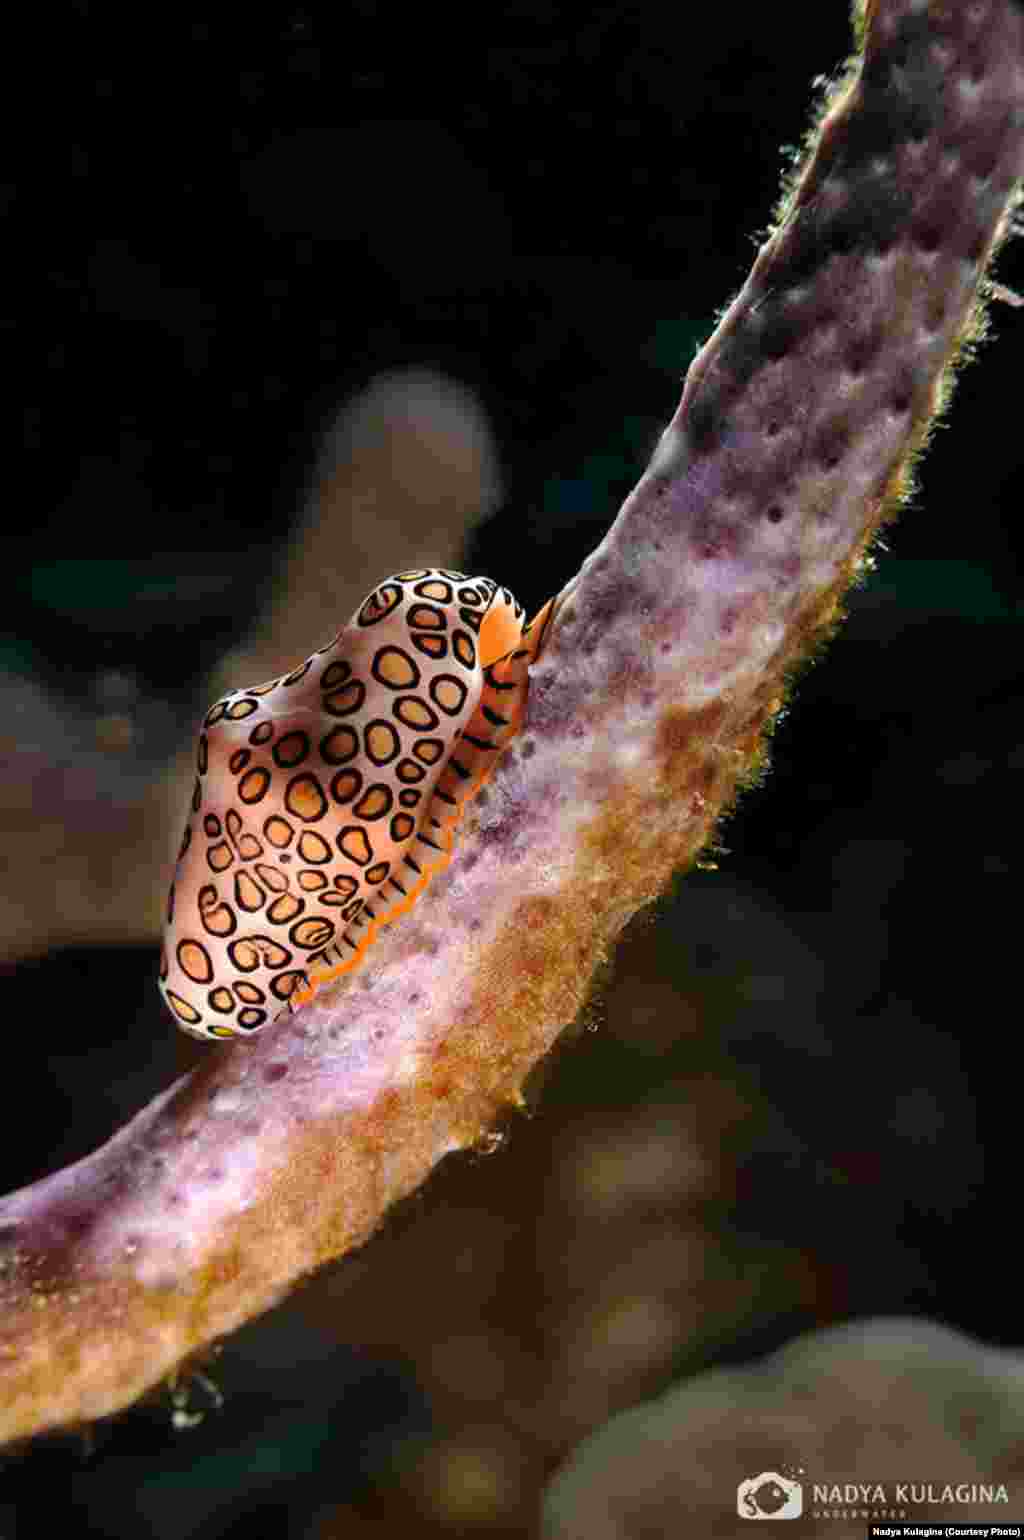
<point x="326" y="800"/>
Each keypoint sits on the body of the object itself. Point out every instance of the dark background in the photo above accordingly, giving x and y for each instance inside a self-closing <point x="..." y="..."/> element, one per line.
<point x="220" y="230"/>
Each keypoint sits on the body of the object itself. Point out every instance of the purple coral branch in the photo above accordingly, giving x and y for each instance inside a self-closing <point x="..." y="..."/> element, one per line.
<point x="794" y="438"/>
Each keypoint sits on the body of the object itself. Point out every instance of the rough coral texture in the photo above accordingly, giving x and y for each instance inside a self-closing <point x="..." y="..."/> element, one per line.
<point x="797" y="426"/>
